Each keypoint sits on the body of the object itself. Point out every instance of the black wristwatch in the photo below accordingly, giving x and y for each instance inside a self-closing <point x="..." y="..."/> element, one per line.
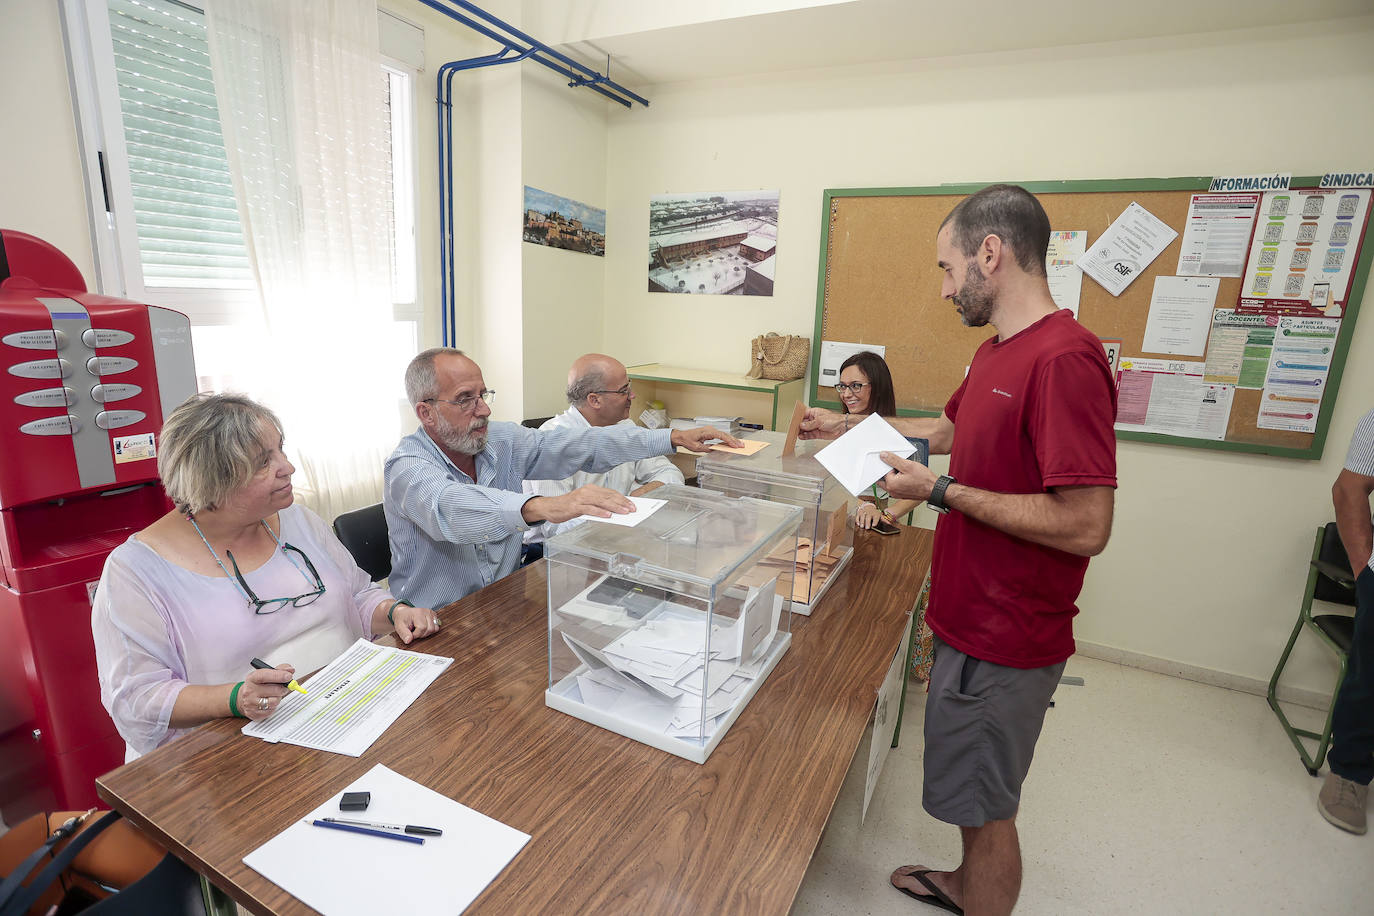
<point x="936" y="499"/>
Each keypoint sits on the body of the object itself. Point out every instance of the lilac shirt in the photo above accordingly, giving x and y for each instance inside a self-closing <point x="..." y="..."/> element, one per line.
<point x="159" y="627"/>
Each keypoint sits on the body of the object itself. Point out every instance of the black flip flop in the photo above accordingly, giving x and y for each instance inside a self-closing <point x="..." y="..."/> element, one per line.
<point x="936" y="897"/>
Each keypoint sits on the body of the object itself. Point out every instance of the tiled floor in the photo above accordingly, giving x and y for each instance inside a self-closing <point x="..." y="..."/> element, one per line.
<point x="1148" y="794"/>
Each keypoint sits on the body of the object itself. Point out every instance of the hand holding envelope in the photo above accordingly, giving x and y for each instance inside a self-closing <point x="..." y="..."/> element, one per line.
<point x="854" y="458"/>
<point x="907" y="479"/>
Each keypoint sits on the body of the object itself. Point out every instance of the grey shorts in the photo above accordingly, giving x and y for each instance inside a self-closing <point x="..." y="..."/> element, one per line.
<point x="982" y="722"/>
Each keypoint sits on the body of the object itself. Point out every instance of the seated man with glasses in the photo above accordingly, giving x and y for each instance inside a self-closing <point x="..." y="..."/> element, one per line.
<point x="455" y="508"/>
<point x="599" y="393"/>
<point x="184" y="605"/>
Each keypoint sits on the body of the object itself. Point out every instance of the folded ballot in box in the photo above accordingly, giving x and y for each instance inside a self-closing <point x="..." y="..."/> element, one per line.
<point x="663" y="631"/>
<point x="827" y="535"/>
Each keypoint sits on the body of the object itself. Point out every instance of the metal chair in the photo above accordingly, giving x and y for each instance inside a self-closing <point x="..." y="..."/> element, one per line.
<point x="1329" y="579"/>
<point x="363" y="533"/>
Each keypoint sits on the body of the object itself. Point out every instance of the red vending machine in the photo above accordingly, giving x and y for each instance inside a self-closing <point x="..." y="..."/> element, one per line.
<point x="85" y="381"/>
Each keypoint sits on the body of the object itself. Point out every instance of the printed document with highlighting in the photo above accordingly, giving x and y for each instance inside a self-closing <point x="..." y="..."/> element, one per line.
<point x="352" y="700"/>
<point x="853" y="458"/>
<point x="441" y="876"/>
<point x="1169" y="396"/>
<point x="1061" y="267"/>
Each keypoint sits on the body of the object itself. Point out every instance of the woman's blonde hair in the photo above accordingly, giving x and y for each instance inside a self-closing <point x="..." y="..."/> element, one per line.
<point x="210" y="447"/>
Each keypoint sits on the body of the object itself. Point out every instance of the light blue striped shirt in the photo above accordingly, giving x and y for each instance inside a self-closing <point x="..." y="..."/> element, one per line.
<point x="451" y="535"/>
<point x="1360" y="458"/>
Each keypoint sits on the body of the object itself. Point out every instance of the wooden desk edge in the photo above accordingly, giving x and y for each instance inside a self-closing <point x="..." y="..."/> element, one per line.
<point x="259" y="900"/>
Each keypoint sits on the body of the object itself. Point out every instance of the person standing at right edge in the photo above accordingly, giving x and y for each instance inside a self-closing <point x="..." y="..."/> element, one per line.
<point x="1345" y="794"/>
<point x="1028" y="500"/>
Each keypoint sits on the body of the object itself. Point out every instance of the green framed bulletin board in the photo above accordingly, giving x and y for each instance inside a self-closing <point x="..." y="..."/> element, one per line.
<point x="879" y="284"/>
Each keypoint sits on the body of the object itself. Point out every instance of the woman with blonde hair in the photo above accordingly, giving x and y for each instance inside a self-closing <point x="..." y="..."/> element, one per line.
<point x="235" y="572"/>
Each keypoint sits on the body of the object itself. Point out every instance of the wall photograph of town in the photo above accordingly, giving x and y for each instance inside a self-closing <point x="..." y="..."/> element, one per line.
<point x="720" y="243"/>
<point x="560" y="222"/>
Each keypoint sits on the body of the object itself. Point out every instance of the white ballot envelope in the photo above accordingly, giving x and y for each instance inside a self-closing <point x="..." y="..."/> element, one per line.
<point x="853" y="458"/>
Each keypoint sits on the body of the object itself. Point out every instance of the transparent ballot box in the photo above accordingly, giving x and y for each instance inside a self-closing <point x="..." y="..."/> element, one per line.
<point x="663" y="631"/>
<point x="827" y="534"/>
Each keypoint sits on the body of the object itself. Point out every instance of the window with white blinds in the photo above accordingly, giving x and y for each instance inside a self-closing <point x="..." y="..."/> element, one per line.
<point x="165" y="225"/>
<point x="185" y="217"/>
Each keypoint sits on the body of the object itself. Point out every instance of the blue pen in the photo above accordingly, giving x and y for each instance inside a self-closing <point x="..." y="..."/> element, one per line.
<point x="406" y="838"/>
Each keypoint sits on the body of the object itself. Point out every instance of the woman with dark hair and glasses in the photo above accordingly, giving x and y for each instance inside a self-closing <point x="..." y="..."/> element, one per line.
<point x="234" y="572"/>
<point x="865" y="387"/>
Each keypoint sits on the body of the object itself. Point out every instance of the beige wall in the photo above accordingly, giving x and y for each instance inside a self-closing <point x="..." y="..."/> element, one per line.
<point x="41" y="189"/>
<point x="523" y="312"/>
<point x="1208" y="556"/>
<point x="564" y="152"/>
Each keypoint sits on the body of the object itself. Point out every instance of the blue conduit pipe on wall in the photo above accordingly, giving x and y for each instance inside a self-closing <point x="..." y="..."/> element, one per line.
<point x="515" y="46"/>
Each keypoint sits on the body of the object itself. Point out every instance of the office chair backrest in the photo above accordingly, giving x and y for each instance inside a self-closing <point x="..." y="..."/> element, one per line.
<point x="363" y="533"/>
<point x="535" y="422"/>
<point x="1333" y="556"/>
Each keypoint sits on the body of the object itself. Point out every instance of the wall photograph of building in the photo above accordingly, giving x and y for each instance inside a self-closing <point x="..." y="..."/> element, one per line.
<point x="718" y="243"/>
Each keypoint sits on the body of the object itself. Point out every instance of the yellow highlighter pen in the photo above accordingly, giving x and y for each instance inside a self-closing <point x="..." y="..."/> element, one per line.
<point x="259" y="663"/>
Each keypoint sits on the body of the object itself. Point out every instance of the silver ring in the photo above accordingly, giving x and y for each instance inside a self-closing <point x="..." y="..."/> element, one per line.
<point x="438" y="622"/>
<point x="262" y="702"/>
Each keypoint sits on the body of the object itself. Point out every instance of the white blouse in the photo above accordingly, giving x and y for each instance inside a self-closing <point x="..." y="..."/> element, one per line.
<point x="159" y="627"/>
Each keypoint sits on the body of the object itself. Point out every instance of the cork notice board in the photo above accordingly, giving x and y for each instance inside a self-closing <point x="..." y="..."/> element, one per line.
<point x="879" y="284"/>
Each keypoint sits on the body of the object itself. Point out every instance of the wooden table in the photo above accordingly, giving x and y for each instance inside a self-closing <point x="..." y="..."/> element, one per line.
<point x="616" y="826"/>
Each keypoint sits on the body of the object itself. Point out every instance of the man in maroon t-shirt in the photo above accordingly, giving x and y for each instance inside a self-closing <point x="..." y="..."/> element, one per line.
<point x="1028" y="499"/>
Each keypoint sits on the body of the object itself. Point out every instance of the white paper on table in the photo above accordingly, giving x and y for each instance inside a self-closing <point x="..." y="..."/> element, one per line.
<point x="853" y="458"/>
<point x="442" y="876"/>
<point x="351" y="700"/>
<point x="1061" y="267"/>
<point x="833" y="355"/>
<point x="645" y="506"/>
<point x="1216" y="237"/>
<point x="1180" y="314"/>
<point x="1130" y="244"/>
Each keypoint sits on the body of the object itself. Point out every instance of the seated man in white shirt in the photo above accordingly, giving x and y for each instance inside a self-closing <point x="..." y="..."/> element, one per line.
<point x="600" y="394"/>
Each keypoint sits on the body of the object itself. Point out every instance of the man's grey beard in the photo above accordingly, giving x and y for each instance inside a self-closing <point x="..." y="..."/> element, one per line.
<point x="469" y="443"/>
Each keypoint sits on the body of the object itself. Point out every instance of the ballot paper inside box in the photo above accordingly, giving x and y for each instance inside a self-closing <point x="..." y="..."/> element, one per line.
<point x="664" y="631"/>
<point x="827" y="533"/>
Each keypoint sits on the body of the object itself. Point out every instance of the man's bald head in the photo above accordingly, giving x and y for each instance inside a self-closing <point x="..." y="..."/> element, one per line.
<point x="599" y="387"/>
